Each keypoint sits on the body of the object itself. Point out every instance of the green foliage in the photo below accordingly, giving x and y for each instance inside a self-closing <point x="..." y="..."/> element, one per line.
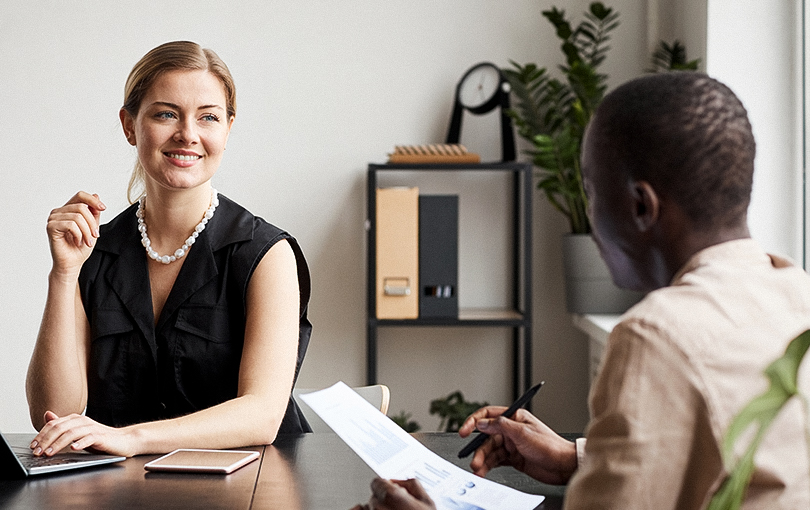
<point x="672" y="58"/>
<point x="761" y="411"/>
<point x="552" y="114"/>
<point x="404" y="421"/>
<point x="453" y="410"/>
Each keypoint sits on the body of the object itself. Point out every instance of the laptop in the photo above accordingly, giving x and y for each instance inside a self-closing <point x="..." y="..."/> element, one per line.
<point x="20" y="462"/>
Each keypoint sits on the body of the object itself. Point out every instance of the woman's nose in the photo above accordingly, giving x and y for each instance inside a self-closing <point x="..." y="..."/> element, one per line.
<point x="186" y="132"/>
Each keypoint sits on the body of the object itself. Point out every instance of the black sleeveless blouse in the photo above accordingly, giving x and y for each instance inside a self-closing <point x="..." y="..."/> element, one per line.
<point x="140" y="371"/>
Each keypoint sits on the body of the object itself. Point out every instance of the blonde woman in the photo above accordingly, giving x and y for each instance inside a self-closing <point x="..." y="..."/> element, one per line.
<point x="181" y="322"/>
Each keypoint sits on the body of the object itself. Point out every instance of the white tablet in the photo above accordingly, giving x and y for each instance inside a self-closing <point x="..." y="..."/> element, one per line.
<point x="202" y="461"/>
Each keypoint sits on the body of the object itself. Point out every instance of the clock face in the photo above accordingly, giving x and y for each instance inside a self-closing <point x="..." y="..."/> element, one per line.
<point x="479" y="86"/>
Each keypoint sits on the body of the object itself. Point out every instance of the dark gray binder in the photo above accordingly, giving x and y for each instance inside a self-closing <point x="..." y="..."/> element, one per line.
<point x="438" y="256"/>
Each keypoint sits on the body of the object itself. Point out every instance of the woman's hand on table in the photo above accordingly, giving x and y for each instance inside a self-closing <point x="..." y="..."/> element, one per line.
<point x="80" y="432"/>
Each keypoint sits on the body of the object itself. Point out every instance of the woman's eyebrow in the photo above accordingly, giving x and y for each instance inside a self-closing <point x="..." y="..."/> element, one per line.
<point x="177" y="107"/>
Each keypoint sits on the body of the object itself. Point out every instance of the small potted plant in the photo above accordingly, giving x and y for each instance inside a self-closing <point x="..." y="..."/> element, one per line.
<point x="453" y="410"/>
<point x="552" y="115"/>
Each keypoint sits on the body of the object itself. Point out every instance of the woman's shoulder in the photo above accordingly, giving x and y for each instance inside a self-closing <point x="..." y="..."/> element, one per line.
<point x="237" y="224"/>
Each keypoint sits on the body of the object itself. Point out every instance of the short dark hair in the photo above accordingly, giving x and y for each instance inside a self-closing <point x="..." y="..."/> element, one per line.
<point x="686" y="134"/>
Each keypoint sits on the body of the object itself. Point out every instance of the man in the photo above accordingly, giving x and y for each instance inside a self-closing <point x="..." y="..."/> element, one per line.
<point x="668" y="165"/>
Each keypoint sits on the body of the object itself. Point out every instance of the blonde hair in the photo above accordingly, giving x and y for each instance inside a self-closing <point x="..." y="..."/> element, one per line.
<point x="170" y="56"/>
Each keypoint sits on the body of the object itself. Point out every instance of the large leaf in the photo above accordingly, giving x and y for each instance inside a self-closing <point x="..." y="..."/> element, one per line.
<point x="552" y="113"/>
<point x="760" y="412"/>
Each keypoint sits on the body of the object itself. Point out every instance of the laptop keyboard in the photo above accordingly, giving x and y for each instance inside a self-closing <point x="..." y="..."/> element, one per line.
<point x="29" y="460"/>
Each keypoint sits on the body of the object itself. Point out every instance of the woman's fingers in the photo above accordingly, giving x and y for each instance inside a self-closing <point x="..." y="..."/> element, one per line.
<point x="75" y="225"/>
<point x="59" y="433"/>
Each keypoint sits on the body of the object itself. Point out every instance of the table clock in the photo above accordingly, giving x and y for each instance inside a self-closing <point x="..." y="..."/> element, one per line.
<point x="482" y="89"/>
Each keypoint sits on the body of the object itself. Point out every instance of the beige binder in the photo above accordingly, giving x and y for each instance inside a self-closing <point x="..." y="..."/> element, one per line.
<point x="397" y="253"/>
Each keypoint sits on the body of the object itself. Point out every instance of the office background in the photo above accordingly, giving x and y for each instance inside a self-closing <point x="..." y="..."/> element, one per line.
<point x="324" y="87"/>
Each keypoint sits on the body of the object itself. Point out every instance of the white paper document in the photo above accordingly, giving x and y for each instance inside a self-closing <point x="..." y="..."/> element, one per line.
<point x="393" y="453"/>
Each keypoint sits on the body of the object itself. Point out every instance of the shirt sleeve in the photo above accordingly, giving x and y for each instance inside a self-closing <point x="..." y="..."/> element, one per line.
<point x="647" y="419"/>
<point x="580" y="446"/>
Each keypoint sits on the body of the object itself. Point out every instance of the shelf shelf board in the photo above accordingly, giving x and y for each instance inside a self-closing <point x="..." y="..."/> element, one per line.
<point x="511" y="166"/>
<point x="466" y="317"/>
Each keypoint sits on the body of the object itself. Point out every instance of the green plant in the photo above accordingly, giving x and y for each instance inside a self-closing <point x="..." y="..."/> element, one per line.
<point x="404" y="421"/>
<point x="783" y="376"/>
<point x="453" y="410"/>
<point x="672" y="58"/>
<point x="552" y="114"/>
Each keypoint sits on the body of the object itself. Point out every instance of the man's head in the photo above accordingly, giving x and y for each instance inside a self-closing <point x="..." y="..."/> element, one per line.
<point x="668" y="161"/>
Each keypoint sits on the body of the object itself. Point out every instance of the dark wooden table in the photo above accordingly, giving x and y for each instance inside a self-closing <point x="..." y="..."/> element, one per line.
<point x="300" y="472"/>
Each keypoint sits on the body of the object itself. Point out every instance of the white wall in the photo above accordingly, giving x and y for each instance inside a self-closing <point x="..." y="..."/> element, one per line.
<point x="755" y="48"/>
<point x="324" y="87"/>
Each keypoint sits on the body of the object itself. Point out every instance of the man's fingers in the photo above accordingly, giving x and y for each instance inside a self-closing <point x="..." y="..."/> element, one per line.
<point x="414" y="488"/>
<point x="469" y="424"/>
<point x="382" y="488"/>
<point x="490" y="455"/>
<point x="400" y="494"/>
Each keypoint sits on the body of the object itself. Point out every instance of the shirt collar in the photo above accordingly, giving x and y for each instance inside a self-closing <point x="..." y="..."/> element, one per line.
<point x="231" y="224"/>
<point x="739" y="252"/>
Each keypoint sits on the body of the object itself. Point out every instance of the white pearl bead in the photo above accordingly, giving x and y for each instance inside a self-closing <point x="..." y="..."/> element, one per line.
<point x="167" y="259"/>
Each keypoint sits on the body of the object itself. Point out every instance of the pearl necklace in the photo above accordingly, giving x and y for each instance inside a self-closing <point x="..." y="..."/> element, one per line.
<point x="180" y="252"/>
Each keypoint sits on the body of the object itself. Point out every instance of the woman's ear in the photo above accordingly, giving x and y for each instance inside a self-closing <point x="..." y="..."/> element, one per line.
<point x="128" y="123"/>
<point x="230" y="125"/>
<point x="647" y="205"/>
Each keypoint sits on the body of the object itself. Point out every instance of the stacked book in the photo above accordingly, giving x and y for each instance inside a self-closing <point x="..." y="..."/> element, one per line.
<point x="433" y="153"/>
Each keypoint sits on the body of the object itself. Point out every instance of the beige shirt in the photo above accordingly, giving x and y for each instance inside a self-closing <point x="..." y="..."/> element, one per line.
<point x="678" y="368"/>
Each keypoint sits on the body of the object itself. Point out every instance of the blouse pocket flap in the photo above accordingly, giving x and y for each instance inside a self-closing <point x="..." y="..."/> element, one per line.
<point x="110" y="322"/>
<point x="206" y="322"/>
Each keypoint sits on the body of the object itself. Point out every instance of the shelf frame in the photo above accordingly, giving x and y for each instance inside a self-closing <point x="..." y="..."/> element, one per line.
<point x="518" y="317"/>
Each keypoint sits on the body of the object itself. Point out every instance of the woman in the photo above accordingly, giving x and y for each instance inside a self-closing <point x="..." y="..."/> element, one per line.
<point x="182" y="322"/>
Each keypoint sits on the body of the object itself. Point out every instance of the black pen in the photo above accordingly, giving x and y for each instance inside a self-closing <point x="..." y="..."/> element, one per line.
<point x="481" y="437"/>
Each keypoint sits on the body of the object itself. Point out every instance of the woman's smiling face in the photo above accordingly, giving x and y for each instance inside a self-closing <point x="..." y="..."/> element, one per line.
<point x="181" y="129"/>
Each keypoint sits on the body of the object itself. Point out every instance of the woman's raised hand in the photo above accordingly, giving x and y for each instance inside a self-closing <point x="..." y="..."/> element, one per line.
<point x="72" y="232"/>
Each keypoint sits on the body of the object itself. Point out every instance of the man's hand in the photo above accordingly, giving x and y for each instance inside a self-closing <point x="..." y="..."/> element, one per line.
<point x="397" y="495"/>
<point x="523" y="442"/>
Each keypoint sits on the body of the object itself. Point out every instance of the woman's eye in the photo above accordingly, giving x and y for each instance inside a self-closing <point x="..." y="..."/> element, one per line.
<point x="165" y="115"/>
<point x="210" y="117"/>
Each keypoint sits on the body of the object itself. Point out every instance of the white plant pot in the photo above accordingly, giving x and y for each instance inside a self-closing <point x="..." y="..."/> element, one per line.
<point x="589" y="287"/>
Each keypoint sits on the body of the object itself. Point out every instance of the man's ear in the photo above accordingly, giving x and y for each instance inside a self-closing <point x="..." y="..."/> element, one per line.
<point x="646" y="205"/>
<point x="128" y="123"/>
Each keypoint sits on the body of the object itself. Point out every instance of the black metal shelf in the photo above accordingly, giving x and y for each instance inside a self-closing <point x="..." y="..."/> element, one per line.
<point x="466" y="317"/>
<point x="517" y="315"/>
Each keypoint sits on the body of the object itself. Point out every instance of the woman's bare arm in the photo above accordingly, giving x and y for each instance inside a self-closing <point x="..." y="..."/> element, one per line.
<point x="57" y="372"/>
<point x="265" y="380"/>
